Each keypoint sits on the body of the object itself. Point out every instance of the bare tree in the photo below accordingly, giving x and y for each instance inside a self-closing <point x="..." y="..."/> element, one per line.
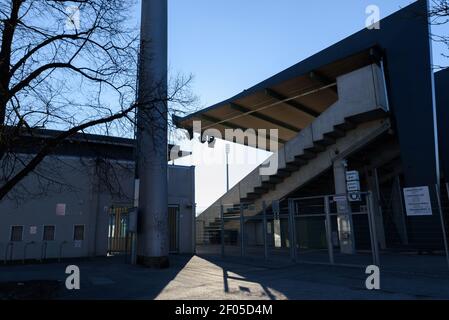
<point x="71" y="66"/>
<point x="439" y="18"/>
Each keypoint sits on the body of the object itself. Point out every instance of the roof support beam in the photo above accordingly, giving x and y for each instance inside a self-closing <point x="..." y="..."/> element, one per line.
<point x="263" y="117"/>
<point x="323" y="80"/>
<point x="214" y="121"/>
<point x="292" y="103"/>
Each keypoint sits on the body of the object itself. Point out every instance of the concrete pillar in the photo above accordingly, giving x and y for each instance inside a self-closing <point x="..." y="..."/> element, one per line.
<point x="345" y="225"/>
<point x="153" y="242"/>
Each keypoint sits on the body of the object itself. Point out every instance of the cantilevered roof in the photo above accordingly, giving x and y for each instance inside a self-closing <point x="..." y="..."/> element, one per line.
<point x="403" y="39"/>
<point x="291" y="99"/>
<point x="288" y="101"/>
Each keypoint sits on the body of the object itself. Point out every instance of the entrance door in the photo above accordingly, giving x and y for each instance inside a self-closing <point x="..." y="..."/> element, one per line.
<point x="118" y="234"/>
<point x="173" y="225"/>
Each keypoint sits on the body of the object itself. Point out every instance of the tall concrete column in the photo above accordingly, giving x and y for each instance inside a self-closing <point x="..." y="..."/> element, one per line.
<point x="153" y="240"/>
<point x="345" y="225"/>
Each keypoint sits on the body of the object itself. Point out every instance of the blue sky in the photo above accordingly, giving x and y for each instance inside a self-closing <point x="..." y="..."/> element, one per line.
<point x="230" y="45"/>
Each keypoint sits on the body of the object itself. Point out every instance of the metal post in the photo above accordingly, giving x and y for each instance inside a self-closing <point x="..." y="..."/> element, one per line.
<point x="60" y="250"/>
<point x="44" y="251"/>
<point x="110" y="231"/>
<point x="344" y="220"/>
<point x="242" y="232"/>
<point x="228" y="150"/>
<point x="330" y="246"/>
<point x="378" y="214"/>
<point x="443" y="226"/>
<point x="372" y="229"/>
<point x="447" y="189"/>
<point x="401" y="201"/>
<point x="291" y="230"/>
<point x="264" y="222"/>
<point x="222" y="231"/>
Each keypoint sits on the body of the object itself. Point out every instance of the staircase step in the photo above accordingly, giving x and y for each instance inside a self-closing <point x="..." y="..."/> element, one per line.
<point x="283" y="173"/>
<point x="335" y="134"/>
<point x="275" y="179"/>
<point x="269" y="185"/>
<point x="292" y="167"/>
<point x="261" y="190"/>
<point x="346" y="126"/>
<point x="307" y="155"/>
<point x="299" y="162"/>
<point x="253" y="196"/>
<point x="317" y="148"/>
<point x="327" y="141"/>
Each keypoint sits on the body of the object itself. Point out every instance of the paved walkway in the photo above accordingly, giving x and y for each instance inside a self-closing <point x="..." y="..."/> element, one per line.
<point x="231" y="279"/>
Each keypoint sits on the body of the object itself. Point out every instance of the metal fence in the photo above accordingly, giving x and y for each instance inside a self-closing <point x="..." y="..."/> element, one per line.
<point x="315" y="230"/>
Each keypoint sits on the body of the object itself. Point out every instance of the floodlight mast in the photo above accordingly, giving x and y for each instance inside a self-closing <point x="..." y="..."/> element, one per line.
<point x="151" y="169"/>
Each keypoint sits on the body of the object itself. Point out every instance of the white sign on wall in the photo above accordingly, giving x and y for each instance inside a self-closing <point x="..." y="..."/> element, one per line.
<point x="352" y="176"/>
<point x="353" y="186"/>
<point x="417" y="201"/>
<point x="33" y="230"/>
<point x="60" y="209"/>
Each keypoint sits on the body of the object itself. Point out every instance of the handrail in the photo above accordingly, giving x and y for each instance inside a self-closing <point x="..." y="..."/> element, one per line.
<point x="327" y="195"/>
<point x="8" y="245"/>
<point x="60" y="250"/>
<point x="25" y="250"/>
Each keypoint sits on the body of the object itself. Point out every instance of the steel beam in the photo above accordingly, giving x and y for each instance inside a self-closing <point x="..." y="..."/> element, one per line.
<point x="260" y="116"/>
<point x="323" y="80"/>
<point x="292" y="103"/>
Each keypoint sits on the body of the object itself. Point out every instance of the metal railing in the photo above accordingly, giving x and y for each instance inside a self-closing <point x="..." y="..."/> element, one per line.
<point x="19" y="251"/>
<point x="246" y="231"/>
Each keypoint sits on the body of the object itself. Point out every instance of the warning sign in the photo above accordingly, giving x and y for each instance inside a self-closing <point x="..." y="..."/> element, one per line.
<point x="417" y="201"/>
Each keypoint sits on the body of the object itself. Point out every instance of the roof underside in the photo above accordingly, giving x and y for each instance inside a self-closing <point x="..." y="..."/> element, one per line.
<point x="289" y="101"/>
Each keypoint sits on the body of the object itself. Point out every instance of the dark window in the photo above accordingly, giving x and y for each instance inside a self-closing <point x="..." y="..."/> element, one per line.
<point x="49" y="233"/>
<point x="16" y="233"/>
<point x="78" y="234"/>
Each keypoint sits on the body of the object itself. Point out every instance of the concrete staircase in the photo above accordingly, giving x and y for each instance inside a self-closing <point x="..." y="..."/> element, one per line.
<point x="359" y="116"/>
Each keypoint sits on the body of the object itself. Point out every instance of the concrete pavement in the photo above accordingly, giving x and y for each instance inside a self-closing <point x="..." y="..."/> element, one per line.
<point x="200" y="278"/>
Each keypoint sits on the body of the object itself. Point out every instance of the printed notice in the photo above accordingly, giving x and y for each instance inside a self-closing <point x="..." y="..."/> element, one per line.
<point x="417" y="201"/>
